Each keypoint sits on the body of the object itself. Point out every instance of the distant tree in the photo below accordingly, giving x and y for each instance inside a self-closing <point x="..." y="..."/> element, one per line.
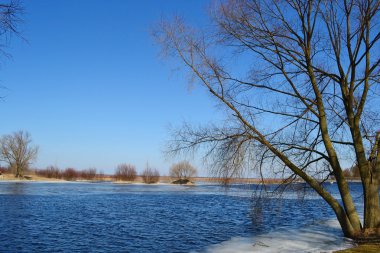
<point x="9" y="19"/>
<point x="352" y="172"/>
<point x="355" y="171"/>
<point x="88" y="174"/>
<point x="3" y="170"/>
<point x="17" y="151"/>
<point x="182" y="170"/>
<point x="70" y="174"/>
<point x="347" y="173"/>
<point x="50" y="172"/>
<point x="150" y="175"/>
<point x="125" y="172"/>
<point x="100" y="175"/>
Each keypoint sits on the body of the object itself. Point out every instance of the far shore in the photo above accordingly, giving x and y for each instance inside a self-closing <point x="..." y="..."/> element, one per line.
<point x="31" y="177"/>
<point x="164" y="180"/>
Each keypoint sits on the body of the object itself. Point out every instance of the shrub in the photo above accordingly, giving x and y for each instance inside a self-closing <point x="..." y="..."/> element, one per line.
<point x="70" y="174"/>
<point x="347" y="173"/>
<point x="100" y="175"/>
<point x="150" y="176"/>
<point x="182" y="170"/>
<point x="4" y="170"/>
<point x="49" y="172"/>
<point x="125" y="172"/>
<point x="88" y="174"/>
<point x="355" y="171"/>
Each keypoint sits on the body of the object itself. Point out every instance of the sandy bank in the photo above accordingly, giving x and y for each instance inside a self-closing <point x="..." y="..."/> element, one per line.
<point x="7" y="177"/>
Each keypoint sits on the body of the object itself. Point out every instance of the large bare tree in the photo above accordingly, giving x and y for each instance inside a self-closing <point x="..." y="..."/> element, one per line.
<point x="16" y="150"/>
<point x="9" y="19"/>
<point x="300" y="81"/>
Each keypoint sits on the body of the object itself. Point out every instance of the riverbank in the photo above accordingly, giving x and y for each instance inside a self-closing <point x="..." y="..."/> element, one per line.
<point x="368" y="248"/>
<point x="31" y="177"/>
<point x="8" y="177"/>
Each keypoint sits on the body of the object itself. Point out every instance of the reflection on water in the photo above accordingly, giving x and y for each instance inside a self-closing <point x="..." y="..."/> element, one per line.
<point x="17" y="188"/>
<point x="82" y="217"/>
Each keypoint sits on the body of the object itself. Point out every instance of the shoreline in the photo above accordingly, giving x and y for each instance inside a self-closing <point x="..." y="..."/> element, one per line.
<point x="31" y="178"/>
<point x="164" y="180"/>
<point x="369" y="248"/>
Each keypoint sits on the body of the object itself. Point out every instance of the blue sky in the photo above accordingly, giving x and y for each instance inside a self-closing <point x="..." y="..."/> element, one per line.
<point x="90" y="87"/>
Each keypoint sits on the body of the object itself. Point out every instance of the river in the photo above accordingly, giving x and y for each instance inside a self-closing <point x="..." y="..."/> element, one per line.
<point x="106" y="217"/>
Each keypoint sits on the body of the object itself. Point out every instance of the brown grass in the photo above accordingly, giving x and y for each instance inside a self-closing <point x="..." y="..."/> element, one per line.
<point x="368" y="248"/>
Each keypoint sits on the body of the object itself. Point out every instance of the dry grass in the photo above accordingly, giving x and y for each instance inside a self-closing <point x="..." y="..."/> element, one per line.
<point x="368" y="248"/>
<point x="139" y="179"/>
<point x="31" y="177"/>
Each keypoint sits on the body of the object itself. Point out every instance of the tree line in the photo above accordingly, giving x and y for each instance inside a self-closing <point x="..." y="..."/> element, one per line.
<point x="123" y="172"/>
<point x="18" y="152"/>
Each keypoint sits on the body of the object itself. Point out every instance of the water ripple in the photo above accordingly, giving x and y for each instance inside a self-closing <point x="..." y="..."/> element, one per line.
<point x="84" y="217"/>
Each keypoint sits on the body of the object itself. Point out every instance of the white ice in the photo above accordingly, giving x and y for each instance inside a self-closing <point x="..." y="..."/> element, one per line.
<point x="323" y="237"/>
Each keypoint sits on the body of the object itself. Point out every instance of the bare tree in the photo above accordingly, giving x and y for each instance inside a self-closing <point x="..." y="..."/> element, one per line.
<point x="150" y="175"/>
<point x="70" y="174"/>
<point x="88" y="174"/>
<point x="100" y="175"/>
<point x="16" y="150"/>
<point x="49" y="172"/>
<point x="300" y="83"/>
<point x="125" y="172"/>
<point x="182" y="170"/>
<point x="9" y="19"/>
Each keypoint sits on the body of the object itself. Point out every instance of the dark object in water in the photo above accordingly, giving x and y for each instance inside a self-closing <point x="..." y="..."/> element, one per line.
<point x="181" y="181"/>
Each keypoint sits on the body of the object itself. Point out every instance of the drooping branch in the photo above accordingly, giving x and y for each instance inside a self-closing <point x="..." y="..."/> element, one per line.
<point x="298" y="99"/>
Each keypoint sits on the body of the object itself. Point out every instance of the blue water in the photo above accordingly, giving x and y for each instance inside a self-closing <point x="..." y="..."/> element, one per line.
<point x="104" y="217"/>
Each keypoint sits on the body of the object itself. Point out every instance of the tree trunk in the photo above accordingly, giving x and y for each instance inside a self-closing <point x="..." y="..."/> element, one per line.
<point x="369" y="176"/>
<point x="371" y="204"/>
<point x="371" y="193"/>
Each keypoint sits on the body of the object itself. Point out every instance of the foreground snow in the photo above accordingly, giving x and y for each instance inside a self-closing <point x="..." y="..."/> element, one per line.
<point x="324" y="237"/>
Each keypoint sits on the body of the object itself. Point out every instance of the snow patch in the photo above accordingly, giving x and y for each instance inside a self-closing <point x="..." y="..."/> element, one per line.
<point x="323" y="237"/>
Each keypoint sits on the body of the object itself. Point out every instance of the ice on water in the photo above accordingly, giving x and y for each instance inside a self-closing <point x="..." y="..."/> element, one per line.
<point x="322" y="237"/>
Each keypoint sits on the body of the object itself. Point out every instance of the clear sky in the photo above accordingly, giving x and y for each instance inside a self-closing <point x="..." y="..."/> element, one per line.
<point x="89" y="84"/>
